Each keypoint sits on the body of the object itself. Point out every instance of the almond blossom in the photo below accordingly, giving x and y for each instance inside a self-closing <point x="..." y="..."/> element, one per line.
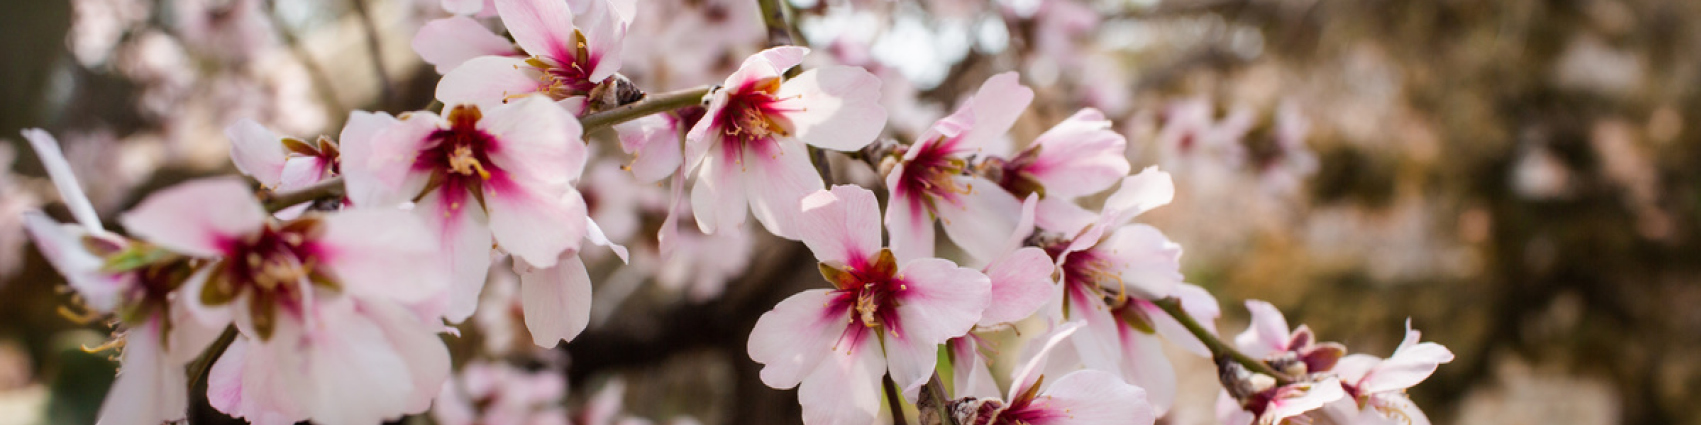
<point x="569" y="64"/>
<point x="750" y="146"/>
<point x="110" y="276"/>
<point x="1251" y="397"/>
<point x="481" y="177"/>
<point x="882" y="317"/>
<point x="1079" y="156"/>
<point x="316" y="301"/>
<point x="934" y="179"/>
<point x="1376" y="387"/>
<point x="1080" y="397"/>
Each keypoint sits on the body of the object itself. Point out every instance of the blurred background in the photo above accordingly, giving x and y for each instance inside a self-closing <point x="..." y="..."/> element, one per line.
<point x="1519" y="178"/>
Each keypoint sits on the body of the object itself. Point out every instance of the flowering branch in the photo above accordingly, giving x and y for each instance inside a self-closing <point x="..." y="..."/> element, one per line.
<point x="1219" y="349"/>
<point x="651" y="104"/>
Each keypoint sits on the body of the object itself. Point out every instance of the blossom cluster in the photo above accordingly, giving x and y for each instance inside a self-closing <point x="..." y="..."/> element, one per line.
<point x="325" y="295"/>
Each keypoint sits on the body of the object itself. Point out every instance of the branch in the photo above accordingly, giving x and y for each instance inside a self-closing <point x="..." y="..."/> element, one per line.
<point x="1218" y="348"/>
<point x="892" y="396"/>
<point x="782" y="30"/>
<point x="203" y="365"/>
<point x="934" y="405"/>
<point x="387" y="88"/>
<point x="651" y="104"/>
<point x="327" y="188"/>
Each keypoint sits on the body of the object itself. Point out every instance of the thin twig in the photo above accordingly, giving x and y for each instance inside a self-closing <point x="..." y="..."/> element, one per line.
<point x="387" y="88"/>
<point x="203" y="365"/>
<point x="935" y="406"/>
<point x="781" y="31"/>
<point x="1172" y="306"/>
<point x="892" y="401"/>
<point x="652" y="104"/>
<point x="327" y="188"/>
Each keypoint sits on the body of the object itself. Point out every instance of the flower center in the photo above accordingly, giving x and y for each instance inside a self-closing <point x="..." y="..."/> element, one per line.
<point x="931" y="176"/>
<point x="275" y="267"/>
<point x="458" y="159"/>
<point x="869" y="290"/>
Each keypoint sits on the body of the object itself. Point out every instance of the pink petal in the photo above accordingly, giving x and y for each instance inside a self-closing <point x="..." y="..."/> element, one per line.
<point x="979" y="221"/>
<point x="844" y="390"/>
<point x="529" y="224"/>
<point x="427" y="359"/>
<point x="718" y="198"/>
<point x="557" y="300"/>
<point x="1027" y="373"/>
<point x="197" y="217"/>
<point x="777" y="183"/>
<point x="1147" y="262"/>
<point x="71" y="193"/>
<point x="466" y="241"/>
<point x="1091" y="397"/>
<point x="835" y="107"/>
<point x="541" y="27"/>
<point x="1411" y="363"/>
<point x="995" y="108"/>
<point x="257" y="151"/>
<point x="594" y="234"/>
<point x="1296" y="399"/>
<point x="970" y="375"/>
<point x="62" y="245"/>
<point x="449" y="42"/>
<point x="488" y="81"/>
<point x="767" y="63"/>
<point x="706" y="137"/>
<point x="356" y="374"/>
<point x="842" y="226"/>
<point x="1060" y="215"/>
<point x="1020" y="284"/>
<point x="356" y="147"/>
<point x="149" y="387"/>
<point x="1139" y="193"/>
<point x="791" y="340"/>
<point x="301" y="172"/>
<point x="378" y="253"/>
<point x="1144" y="365"/>
<point x="1268" y="332"/>
<point x="910" y="225"/>
<point x="536" y="141"/>
<point x="390" y="177"/>
<point x="604" y="32"/>
<point x="1080" y="156"/>
<point x="939" y="301"/>
<point x="1098" y="343"/>
<point x="654" y="141"/>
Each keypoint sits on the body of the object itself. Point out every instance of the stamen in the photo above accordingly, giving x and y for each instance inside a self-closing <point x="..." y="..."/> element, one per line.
<point x="462" y="162"/>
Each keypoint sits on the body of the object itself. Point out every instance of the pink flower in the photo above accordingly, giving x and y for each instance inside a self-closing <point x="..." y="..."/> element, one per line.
<point x="1296" y="354"/>
<point x="160" y="337"/>
<point x="280" y="162"/>
<point x="566" y="64"/>
<point x="654" y="142"/>
<point x="317" y="301"/>
<point x="882" y="317"/>
<point x="497" y="393"/>
<point x="480" y="177"/>
<point x="932" y="180"/>
<point x="1080" y="397"/>
<point x="449" y="42"/>
<point x="1376" y="387"/>
<point x="749" y="148"/>
<point x="1079" y="156"/>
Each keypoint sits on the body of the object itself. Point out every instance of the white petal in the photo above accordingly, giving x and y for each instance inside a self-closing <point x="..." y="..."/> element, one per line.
<point x="536" y="141"/>
<point x="532" y="226"/>
<point x="718" y="197"/>
<point x="466" y="241"/>
<point x="149" y="387"/>
<point x="1025" y="374"/>
<point x="1079" y="156"/>
<point x="257" y="151"/>
<point x="426" y="357"/>
<point x="449" y="42"/>
<point x="1020" y="284"/>
<point x="355" y="146"/>
<point x="996" y="106"/>
<point x="970" y="375"/>
<point x="1144" y="365"/>
<point x="910" y="225"/>
<point x="378" y="253"/>
<point x="654" y="141"/>
<point x="357" y="375"/>
<point x="979" y="221"/>
<point x="541" y="27"/>
<point x="47" y="149"/>
<point x="792" y="340"/>
<point x="938" y="301"/>
<point x="62" y="245"/>
<point x="1148" y="263"/>
<point x="844" y="390"/>
<point x="197" y="217"/>
<point x="1268" y="332"/>
<point x="1091" y="397"/>
<point x="834" y="107"/>
<point x="842" y="226"/>
<point x="557" y="300"/>
<point x="777" y="183"/>
<point x="1139" y="193"/>
<point x="488" y="81"/>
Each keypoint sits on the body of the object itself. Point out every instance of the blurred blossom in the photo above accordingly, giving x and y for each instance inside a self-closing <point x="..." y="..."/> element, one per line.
<point x="162" y="66"/>
<point x="98" y="25"/>
<point x="1590" y="64"/>
<point x="1539" y="174"/>
<point x="690" y="42"/>
<point x="228" y="31"/>
<point x="487" y="393"/>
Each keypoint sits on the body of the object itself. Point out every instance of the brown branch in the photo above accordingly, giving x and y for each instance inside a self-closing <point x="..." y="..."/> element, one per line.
<point x="328" y="188"/>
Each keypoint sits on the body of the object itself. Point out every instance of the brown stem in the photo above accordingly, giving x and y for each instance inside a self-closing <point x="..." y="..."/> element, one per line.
<point x="892" y="400"/>
<point x="1172" y="306"/>
<point x="202" y="366"/>
<point x="655" y="103"/>
<point x="781" y="28"/>
<point x="328" y="188"/>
